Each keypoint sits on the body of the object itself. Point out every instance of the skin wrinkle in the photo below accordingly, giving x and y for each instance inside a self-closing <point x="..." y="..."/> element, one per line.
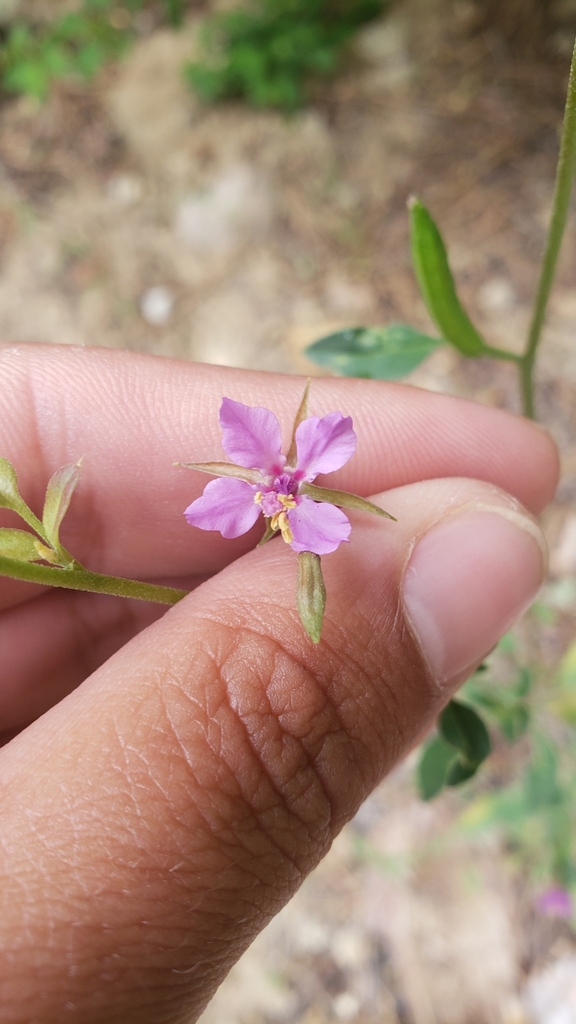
<point x="251" y="822"/>
<point x="242" y="827"/>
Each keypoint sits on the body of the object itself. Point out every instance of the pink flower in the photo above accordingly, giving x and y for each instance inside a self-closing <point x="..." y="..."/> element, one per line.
<point x="555" y="902"/>
<point x="260" y="482"/>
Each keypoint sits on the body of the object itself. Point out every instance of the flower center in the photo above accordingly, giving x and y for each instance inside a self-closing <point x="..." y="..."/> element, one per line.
<point x="275" y="507"/>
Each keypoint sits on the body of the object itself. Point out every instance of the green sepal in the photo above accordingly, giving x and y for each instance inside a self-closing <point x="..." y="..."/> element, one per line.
<point x="58" y="495"/>
<point x="19" y="544"/>
<point x="251" y="476"/>
<point x="310" y="594"/>
<point x="344" y="499"/>
<point x="268" y="534"/>
<point x="301" y="415"/>
<point x="432" y="269"/>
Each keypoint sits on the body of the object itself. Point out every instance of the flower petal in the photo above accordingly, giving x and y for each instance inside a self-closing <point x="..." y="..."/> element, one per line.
<point x="324" y="445"/>
<point x="319" y="528"/>
<point x="226" y="505"/>
<point x="251" y="436"/>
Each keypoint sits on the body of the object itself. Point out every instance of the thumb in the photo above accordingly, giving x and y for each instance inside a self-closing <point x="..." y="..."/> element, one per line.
<point x="158" y="817"/>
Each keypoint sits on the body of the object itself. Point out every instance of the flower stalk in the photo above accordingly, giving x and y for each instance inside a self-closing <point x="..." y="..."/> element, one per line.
<point x="560" y="208"/>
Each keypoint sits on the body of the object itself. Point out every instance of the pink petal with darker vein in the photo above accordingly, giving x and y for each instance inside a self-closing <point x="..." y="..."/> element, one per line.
<point x="251" y="437"/>
<point x="316" y="527"/>
<point x="324" y="445"/>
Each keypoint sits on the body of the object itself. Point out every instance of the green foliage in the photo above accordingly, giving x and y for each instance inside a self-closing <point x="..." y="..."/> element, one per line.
<point x="22" y="546"/>
<point x="73" y="45"/>
<point x="455" y="755"/>
<point x="378" y="353"/>
<point x="430" y="262"/>
<point x="267" y="54"/>
<point x="507" y="706"/>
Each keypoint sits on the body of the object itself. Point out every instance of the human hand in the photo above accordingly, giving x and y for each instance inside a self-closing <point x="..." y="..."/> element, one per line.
<point x="156" y="817"/>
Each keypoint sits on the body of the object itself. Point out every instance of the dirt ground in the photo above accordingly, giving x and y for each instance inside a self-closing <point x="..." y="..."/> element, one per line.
<point x="131" y="217"/>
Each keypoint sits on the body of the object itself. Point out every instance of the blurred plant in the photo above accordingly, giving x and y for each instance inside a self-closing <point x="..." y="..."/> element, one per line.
<point x="389" y="353"/>
<point x="73" y="45"/>
<point x="536" y="812"/>
<point x="267" y="54"/>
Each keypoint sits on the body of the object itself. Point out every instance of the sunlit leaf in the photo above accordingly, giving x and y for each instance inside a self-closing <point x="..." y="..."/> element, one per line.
<point x="58" y="494"/>
<point x="310" y="594"/>
<point x="378" y="353"/>
<point x="430" y="261"/>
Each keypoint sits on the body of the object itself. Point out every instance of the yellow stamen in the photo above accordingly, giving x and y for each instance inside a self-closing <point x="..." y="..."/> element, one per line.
<point x="258" y="498"/>
<point x="280" y="522"/>
<point x="287" y="500"/>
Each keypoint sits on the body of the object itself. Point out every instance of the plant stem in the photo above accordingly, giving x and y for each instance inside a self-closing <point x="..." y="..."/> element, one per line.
<point x="83" y="579"/>
<point x="501" y="353"/>
<point x="560" y="207"/>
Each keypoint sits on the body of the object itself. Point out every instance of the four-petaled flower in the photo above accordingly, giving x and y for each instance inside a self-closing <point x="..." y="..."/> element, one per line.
<point x="261" y="480"/>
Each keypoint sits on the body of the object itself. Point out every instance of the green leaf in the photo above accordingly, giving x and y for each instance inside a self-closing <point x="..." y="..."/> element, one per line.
<point x="463" y="728"/>
<point x="430" y="261"/>
<point x="9" y="493"/>
<point x="514" y="721"/>
<point x="436" y="762"/>
<point x="58" y="494"/>
<point x="18" y="544"/>
<point x="310" y="594"/>
<point x="460" y="771"/>
<point x="377" y="353"/>
<point x="344" y="499"/>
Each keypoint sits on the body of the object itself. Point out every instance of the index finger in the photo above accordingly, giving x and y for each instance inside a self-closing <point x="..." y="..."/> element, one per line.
<point x="133" y="416"/>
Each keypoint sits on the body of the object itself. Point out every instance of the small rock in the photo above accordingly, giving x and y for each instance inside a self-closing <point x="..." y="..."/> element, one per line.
<point x="235" y="209"/>
<point x="345" y="1006"/>
<point x="124" y="189"/>
<point x="496" y="295"/>
<point x="345" y="296"/>
<point x="550" y="996"/>
<point x="156" y="306"/>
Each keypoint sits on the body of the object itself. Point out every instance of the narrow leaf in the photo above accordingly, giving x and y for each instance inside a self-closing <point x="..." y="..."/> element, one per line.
<point x="377" y="353"/>
<point x="9" y="493"/>
<point x="18" y="544"/>
<point x="437" y="759"/>
<point x="251" y="476"/>
<point x="432" y="269"/>
<point x="58" y="495"/>
<point x="301" y="415"/>
<point x="463" y="728"/>
<point x="310" y="594"/>
<point x="344" y="499"/>
<point x="11" y="498"/>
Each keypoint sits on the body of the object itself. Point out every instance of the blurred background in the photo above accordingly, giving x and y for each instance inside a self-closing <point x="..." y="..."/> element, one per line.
<point x="178" y="180"/>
